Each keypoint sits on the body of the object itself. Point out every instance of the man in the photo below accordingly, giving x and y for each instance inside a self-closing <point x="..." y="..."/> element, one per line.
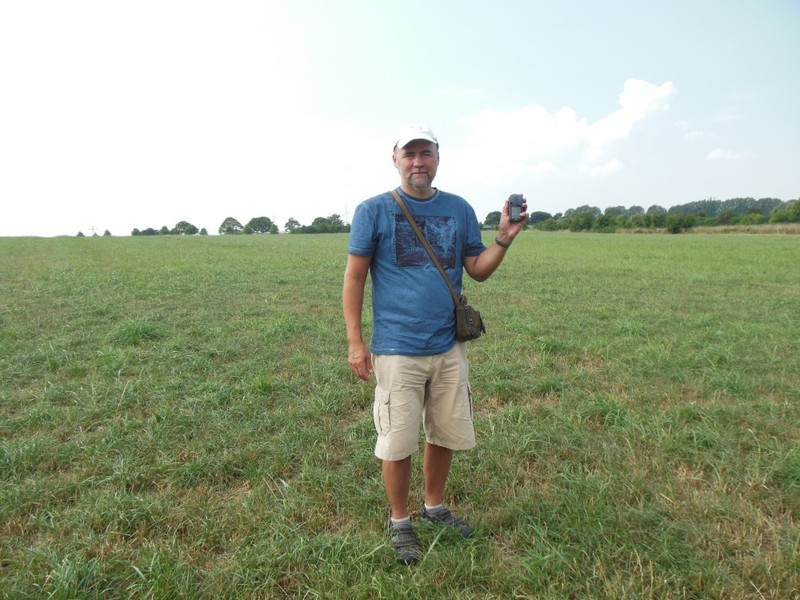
<point x="421" y="371"/>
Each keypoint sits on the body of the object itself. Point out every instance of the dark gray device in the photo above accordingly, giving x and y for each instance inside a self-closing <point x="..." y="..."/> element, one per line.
<point x="515" y="207"/>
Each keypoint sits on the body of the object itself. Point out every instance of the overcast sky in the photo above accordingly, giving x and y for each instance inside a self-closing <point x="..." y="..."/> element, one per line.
<point x="117" y="115"/>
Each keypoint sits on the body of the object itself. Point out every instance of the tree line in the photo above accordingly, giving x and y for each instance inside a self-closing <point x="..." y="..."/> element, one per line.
<point x="181" y="228"/>
<point x="231" y="226"/>
<point x="705" y="213"/>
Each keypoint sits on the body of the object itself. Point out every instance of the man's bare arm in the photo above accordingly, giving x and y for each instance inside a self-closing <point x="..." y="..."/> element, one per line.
<point x="482" y="266"/>
<point x="355" y="278"/>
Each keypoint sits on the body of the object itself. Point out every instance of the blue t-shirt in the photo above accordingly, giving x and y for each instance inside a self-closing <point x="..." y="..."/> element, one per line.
<point x="413" y="312"/>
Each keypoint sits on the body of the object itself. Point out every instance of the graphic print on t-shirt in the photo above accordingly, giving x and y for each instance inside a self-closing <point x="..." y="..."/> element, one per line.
<point x="440" y="233"/>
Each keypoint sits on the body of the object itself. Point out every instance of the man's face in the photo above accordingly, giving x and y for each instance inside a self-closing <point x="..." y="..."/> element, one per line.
<point x="417" y="162"/>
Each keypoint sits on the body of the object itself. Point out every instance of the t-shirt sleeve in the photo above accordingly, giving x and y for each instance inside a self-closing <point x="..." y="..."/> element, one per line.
<point x="362" y="231"/>
<point x="475" y="244"/>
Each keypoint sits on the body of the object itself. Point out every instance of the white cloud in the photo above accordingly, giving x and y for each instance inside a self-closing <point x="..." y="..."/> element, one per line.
<point x="608" y="168"/>
<point x="532" y="140"/>
<point x="689" y="133"/>
<point x="637" y="99"/>
<point x="722" y="154"/>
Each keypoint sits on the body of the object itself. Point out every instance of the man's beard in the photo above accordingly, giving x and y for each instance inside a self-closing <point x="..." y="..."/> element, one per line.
<point x="419" y="183"/>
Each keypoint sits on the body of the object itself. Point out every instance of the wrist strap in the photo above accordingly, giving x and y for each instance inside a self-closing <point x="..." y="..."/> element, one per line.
<point x="502" y="244"/>
<point x="426" y="245"/>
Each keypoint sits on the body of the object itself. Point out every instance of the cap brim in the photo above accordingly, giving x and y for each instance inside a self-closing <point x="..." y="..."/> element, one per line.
<point x="403" y="142"/>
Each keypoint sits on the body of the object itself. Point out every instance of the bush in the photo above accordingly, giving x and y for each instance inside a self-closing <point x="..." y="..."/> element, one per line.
<point x="752" y="219"/>
<point x="679" y="223"/>
<point x="789" y="214"/>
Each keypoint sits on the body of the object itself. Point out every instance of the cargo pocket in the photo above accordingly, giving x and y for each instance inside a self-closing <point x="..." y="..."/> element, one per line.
<point x="381" y="413"/>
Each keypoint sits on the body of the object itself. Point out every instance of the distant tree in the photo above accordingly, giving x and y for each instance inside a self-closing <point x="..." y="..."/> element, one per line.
<point x="106" y="233"/>
<point x="291" y="225"/>
<point x="635" y="210"/>
<point x="582" y="218"/>
<point x="136" y="232"/>
<point x="203" y="231"/>
<point x="320" y="225"/>
<point x="768" y="205"/>
<point x="615" y="211"/>
<point x="655" y="217"/>
<point x="739" y="206"/>
<point x="80" y="234"/>
<point x="538" y="217"/>
<point x="336" y="224"/>
<point x="636" y="222"/>
<point x="592" y="210"/>
<point x="149" y="231"/>
<point x="581" y="221"/>
<point x="656" y="210"/>
<point x="676" y="223"/>
<point x="273" y="229"/>
<point x="726" y="217"/>
<point x="548" y="225"/>
<point x="788" y="213"/>
<point x="710" y="207"/>
<point x="258" y="225"/>
<point x="164" y="230"/>
<point x="331" y="224"/>
<point x="492" y="220"/>
<point x="780" y="216"/>
<point x="753" y="218"/>
<point x="605" y="224"/>
<point x="184" y="228"/>
<point x="793" y="207"/>
<point x="230" y="226"/>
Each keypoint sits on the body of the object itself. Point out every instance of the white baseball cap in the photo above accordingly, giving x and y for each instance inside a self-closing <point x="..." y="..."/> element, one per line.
<point x="414" y="132"/>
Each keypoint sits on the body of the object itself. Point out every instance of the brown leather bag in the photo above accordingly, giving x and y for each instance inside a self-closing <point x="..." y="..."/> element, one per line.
<point x="469" y="324"/>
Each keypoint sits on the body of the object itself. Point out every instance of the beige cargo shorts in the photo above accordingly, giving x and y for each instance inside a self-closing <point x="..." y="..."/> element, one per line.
<point x="428" y="391"/>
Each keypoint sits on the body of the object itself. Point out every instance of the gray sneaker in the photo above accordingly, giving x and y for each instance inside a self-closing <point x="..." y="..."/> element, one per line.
<point x="444" y="518"/>
<point x="404" y="543"/>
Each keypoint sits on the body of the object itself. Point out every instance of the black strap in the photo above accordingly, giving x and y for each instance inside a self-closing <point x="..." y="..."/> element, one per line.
<point x="426" y="245"/>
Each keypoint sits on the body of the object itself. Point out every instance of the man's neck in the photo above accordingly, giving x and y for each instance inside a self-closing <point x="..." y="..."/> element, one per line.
<point x="425" y="194"/>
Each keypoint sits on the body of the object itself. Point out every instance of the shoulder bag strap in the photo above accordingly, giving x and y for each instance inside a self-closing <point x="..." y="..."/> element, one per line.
<point x="426" y="245"/>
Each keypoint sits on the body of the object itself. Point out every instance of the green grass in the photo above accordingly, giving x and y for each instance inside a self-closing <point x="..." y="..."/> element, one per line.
<point x="178" y="420"/>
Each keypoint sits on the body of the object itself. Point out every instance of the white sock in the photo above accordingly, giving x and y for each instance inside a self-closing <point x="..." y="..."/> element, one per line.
<point x="434" y="509"/>
<point x="403" y="521"/>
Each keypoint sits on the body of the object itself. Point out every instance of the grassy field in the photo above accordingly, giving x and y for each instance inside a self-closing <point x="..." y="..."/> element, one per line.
<point x="177" y="420"/>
